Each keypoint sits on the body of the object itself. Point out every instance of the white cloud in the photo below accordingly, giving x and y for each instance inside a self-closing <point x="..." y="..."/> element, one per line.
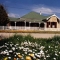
<point x="13" y="15"/>
<point x="37" y="8"/>
<point x="43" y="10"/>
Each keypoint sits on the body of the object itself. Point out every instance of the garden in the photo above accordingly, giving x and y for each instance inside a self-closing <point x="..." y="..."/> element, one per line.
<point x="20" y="47"/>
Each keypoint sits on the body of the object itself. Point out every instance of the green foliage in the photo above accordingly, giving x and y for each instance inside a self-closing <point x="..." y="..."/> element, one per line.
<point x="52" y="45"/>
<point x="28" y="37"/>
<point x="20" y="38"/>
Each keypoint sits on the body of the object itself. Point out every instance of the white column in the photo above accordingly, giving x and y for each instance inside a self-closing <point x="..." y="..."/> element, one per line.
<point x="44" y="26"/>
<point x="3" y="27"/>
<point x="25" y="25"/>
<point x="39" y="25"/>
<point x="15" y="24"/>
<point x="29" y="24"/>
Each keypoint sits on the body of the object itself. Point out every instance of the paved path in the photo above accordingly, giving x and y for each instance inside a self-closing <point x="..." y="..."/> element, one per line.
<point x="35" y="35"/>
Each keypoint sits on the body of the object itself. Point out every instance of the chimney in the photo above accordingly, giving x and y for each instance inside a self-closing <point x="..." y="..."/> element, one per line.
<point x="40" y="12"/>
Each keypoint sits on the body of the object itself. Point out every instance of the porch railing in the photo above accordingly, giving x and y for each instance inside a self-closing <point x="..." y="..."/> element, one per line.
<point x="18" y="28"/>
<point x="27" y="28"/>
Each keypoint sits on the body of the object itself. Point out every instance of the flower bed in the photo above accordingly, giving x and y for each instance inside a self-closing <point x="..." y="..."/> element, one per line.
<point x="27" y="47"/>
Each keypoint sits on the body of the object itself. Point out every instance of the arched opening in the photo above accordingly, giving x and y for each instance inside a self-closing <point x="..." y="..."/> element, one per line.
<point x="12" y="23"/>
<point x="42" y="25"/>
<point x="53" y="24"/>
<point x="34" y="24"/>
<point x="20" y="23"/>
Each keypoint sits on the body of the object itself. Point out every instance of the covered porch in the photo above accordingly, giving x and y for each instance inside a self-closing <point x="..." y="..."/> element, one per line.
<point x="25" y="25"/>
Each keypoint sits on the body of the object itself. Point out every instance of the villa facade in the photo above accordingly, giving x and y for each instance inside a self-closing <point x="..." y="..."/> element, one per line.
<point x="50" y="23"/>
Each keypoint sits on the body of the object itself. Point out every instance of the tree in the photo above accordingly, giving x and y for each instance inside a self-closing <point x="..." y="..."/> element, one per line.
<point x="3" y="16"/>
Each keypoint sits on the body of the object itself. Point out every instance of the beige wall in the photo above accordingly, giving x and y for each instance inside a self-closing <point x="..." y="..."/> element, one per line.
<point x="52" y="19"/>
<point x="58" y="25"/>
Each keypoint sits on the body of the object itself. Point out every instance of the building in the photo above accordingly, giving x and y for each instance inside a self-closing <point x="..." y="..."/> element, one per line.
<point x="35" y="21"/>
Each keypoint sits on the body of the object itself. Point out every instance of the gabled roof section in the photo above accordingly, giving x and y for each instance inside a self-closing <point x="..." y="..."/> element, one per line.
<point x="58" y="19"/>
<point x="53" y="16"/>
<point x="33" y="16"/>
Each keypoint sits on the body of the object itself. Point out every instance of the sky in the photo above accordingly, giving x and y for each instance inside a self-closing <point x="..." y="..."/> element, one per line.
<point x="18" y="8"/>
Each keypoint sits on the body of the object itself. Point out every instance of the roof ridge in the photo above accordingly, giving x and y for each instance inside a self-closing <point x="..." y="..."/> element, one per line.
<point x="53" y="15"/>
